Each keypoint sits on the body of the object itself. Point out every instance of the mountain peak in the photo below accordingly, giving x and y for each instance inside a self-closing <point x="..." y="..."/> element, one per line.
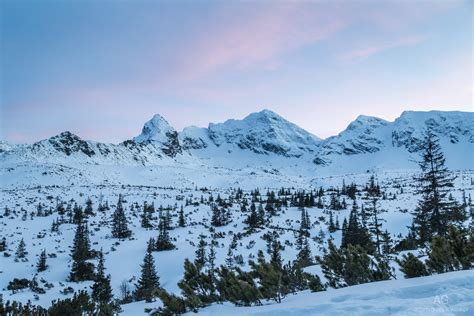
<point x="264" y="132"/>
<point x="155" y="130"/>
<point x="264" y="115"/>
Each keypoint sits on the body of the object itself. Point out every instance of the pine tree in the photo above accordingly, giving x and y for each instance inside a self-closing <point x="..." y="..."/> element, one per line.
<point x="81" y="269"/>
<point x="196" y="286"/>
<point x="220" y="216"/>
<point x="355" y="233"/>
<point x="78" y="216"/>
<point x="435" y="210"/>
<point x="344" y="233"/>
<point x="275" y="255"/>
<point x="374" y="224"/>
<point x="211" y="257"/>
<point x="41" y="265"/>
<point x="271" y="278"/>
<point x="173" y="305"/>
<point x="163" y="241"/>
<point x="261" y="215"/>
<point x="304" y="257"/>
<point x="200" y="260"/>
<point x="182" y="219"/>
<point x="146" y="217"/>
<point x="411" y="266"/>
<point x="229" y="261"/>
<point x="3" y="244"/>
<point x="346" y="266"/>
<point x="237" y="287"/>
<point x="331" y="225"/>
<point x="442" y="258"/>
<point x="252" y="219"/>
<point x="119" y="222"/>
<point x="21" y="250"/>
<point x="305" y="223"/>
<point x="89" y="211"/>
<point x="149" y="282"/>
<point x="101" y="289"/>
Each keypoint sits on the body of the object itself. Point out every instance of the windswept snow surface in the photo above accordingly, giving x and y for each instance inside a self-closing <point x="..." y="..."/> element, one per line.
<point x="445" y="294"/>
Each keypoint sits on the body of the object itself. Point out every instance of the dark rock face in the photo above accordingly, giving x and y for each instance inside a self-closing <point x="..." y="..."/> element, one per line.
<point x="193" y="143"/>
<point x="172" y="147"/>
<point x="69" y="143"/>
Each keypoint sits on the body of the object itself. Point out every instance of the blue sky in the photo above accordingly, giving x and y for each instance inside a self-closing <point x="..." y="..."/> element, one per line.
<point x="102" y="68"/>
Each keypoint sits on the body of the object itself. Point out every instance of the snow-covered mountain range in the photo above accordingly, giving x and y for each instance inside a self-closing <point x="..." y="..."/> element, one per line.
<point x="265" y="139"/>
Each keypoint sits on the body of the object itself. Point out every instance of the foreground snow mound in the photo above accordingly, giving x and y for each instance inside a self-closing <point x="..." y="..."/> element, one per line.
<point x="445" y="294"/>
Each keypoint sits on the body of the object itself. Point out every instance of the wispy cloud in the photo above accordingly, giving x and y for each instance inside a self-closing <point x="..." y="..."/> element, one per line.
<point x="257" y="35"/>
<point x="376" y="48"/>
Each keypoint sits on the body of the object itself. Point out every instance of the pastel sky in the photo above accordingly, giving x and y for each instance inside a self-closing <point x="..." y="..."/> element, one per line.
<point x="102" y="68"/>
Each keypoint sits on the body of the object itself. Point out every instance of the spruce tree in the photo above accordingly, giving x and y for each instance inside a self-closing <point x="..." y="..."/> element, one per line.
<point x="331" y="225"/>
<point x="81" y="269"/>
<point x="181" y="219"/>
<point x="78" y="216"/>
<point x="275" y="255"/>
<point x="355" y="233"/>
<point x="3" y="244"/>
<point x="101" y="289"/>
<point x="41" y="265"/>
<point x="21" y="250"/>
<point x="252" y="219"/>
<point x="89" y="210"/>
<point x="119" y="222"/>
<point x="146" y="217"/>
<point x="304" y="257"/>
<point x="374" y="224"/>
<point x="163" y="241"/>
<point x="200" y="260"/>
<point x="435" y="210"/>
<point x="305" y="223"/>
<point x="149" y="282"/>
<point x="261" y="215"/>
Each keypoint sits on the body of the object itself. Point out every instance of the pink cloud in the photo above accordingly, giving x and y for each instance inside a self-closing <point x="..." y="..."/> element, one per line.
<point x="366" y="52"/>
<point x="257" y="34"/>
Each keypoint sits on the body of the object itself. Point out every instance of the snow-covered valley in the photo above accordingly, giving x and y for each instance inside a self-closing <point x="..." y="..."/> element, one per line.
<point x="225" y="165"/>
